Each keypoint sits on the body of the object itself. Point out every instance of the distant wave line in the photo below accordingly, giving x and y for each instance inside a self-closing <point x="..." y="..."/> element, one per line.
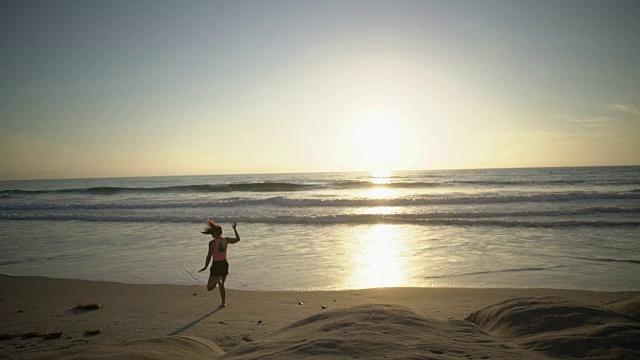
<point x="366" y="219"/>
<point x="284" y="201"/>
<point x="70" y="208"/>
<point x="488" y="183"/>
<point x="290" y="187"/>
<point x="204" y="188"/>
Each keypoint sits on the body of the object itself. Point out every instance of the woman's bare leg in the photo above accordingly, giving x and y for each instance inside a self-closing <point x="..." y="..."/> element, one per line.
<point x="223" y="292"/>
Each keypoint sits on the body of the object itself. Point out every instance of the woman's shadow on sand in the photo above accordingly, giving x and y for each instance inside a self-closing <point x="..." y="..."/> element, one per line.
<point x="189" y="325"/>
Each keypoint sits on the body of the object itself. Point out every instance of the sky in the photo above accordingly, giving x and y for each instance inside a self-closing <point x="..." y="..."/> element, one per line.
<point x="151" y="87"/>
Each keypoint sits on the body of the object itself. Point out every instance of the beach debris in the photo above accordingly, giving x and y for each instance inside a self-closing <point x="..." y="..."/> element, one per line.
<point x="300" y="303"/>
<point x="92" y="332"/>
<point x="324" y="306"/>
<point x="19" y="311"/>
<point x="31" y="335"/>
<point x="222" y="322"/>
<point x="449" y="317"/>
<point x="246" y="338"/>
<point x="54" y="335"/>
<point x="93" y="306"/>
<point x="259" y="322"/>
<point x="334" y="300"/>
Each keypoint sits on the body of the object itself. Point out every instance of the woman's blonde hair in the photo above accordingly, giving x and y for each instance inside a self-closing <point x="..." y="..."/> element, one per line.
<point x="212" y="229"/>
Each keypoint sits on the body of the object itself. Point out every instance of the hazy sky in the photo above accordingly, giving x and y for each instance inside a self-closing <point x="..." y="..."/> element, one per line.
<point x="133" y="88"/>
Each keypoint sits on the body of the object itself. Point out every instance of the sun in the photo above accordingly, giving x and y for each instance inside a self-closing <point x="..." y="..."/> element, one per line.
<point x="376" y="142"/>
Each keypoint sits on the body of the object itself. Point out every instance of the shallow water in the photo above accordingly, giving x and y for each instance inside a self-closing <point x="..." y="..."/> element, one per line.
<point x="573" y="228"/>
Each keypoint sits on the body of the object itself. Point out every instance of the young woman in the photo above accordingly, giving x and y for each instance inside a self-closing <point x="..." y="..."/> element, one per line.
<point x="218" y="253"/>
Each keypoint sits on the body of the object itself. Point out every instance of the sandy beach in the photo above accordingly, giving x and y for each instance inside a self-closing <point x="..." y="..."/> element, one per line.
<point x="40" y="319"/>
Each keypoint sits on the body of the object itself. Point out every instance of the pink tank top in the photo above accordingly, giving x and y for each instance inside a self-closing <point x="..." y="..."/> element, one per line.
<point x="220" y="249"/>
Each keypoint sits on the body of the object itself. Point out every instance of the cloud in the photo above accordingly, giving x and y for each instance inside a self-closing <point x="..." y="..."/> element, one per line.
<point x="602" y="120"/>
<point x="588" y="121"/>
<point x="625" y="108"/>
<point x="594" y="120"/>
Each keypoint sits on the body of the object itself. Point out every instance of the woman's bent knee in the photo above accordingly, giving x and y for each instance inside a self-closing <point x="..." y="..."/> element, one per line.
<point x="211" y="285"/>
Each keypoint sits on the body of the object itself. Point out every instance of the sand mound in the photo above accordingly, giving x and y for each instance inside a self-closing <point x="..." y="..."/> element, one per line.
<point x="520" y="328"/>
<point x="630" y="306"/>
<point x="377" y="332"/>
<point x="562" y="328"/>
<point x="164" y="348"/>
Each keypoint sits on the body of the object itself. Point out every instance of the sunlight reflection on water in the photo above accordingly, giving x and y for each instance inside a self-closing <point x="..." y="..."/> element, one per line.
<point x="381" y="193"/>
<point x="377" y="258"/>
<point x="377" y="210"/>
<point x="381" y="177"/>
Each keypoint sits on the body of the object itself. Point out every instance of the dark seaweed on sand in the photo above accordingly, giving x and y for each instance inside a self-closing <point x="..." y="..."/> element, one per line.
<point x="5" y="336"/>
<point x="32" y="334"/>
<point x="54" y="335"/>
<point x="93" y="332"/>
<point x="93" y="306"/>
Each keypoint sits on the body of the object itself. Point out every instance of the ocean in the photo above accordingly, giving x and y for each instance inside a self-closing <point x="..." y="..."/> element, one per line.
<point x="570" y="228"/>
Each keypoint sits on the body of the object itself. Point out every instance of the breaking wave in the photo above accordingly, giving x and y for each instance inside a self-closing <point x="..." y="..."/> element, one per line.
<point x="414" y="219"/>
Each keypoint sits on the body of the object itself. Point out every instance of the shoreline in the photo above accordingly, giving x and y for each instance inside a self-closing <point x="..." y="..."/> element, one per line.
<point x="132" y="312"/>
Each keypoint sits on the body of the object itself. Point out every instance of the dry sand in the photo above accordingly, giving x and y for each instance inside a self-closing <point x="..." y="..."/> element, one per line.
<point x="171" y="322"/>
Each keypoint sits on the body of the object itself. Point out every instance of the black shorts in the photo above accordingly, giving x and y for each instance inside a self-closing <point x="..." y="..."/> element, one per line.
<point x="219" y="268"/>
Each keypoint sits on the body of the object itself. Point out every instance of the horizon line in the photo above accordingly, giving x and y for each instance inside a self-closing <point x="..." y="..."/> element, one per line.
<point x="316" y="172"/>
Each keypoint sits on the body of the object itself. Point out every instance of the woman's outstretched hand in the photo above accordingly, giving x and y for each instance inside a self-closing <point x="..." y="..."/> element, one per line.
<point x="234" y="225"/>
